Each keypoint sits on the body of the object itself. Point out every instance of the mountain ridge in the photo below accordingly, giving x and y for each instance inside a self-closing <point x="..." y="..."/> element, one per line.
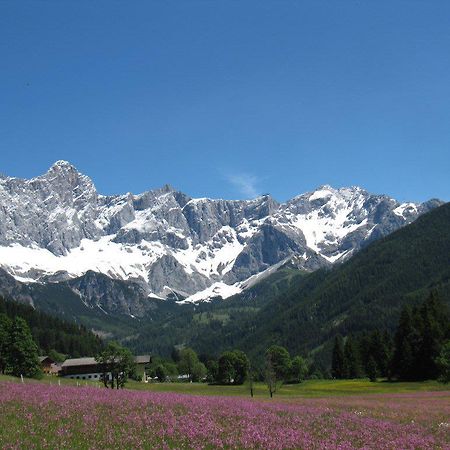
<point x="57" y="226"/>
<point x="305" y="311"/>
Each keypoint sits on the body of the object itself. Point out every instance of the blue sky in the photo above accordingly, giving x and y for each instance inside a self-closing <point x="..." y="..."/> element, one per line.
<point x="229" y="98"/>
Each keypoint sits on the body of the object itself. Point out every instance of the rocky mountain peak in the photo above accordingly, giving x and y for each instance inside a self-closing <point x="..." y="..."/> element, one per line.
<point x="63" y="177"/>
<point x="57" y="224"/>
<point x="62" y="165"/>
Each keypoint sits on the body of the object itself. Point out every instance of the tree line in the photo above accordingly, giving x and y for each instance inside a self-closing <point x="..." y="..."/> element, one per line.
<point x="232" y="367"/>
<point x="26" y="333"/>
<point x="418" y="350"/>
<point x="52" y="333"/>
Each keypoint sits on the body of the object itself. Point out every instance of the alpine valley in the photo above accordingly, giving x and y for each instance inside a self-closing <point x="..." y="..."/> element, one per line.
<point x="116" y="262"/>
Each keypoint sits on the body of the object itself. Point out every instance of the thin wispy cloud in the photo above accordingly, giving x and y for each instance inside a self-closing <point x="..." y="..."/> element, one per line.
<point x="245" y="184"/>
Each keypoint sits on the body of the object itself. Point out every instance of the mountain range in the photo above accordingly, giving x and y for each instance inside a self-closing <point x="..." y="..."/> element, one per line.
<point x="116" y="253"/>
<point x="304" y="312"/>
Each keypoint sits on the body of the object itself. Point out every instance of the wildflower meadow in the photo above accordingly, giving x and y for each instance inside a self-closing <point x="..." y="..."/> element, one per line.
<point x="66" y="417"/>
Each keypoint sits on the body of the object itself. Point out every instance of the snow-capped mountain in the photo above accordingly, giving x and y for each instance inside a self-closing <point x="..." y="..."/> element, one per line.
<point x="57" y="227"/>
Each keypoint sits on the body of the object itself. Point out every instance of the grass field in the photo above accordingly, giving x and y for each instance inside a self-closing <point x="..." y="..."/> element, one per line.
<point x="307" y="389"/>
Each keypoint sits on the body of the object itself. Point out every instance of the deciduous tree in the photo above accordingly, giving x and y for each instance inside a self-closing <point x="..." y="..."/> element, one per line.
<point x="188" y="362"/>
<point x="280" y="361"/>
<point x="117" y="365"/>
<point x="299" y="369"/>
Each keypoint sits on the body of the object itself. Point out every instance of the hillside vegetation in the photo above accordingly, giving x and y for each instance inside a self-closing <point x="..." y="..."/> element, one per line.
<point x="52" y="333"/>
<point x="304" y="312"/>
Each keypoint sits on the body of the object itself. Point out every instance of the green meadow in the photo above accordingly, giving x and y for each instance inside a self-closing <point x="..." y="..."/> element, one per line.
<point x="307" y="389"/>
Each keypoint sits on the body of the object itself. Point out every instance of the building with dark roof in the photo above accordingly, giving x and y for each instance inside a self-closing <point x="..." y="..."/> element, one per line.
<point x="89" y="369"/>
<point x="48" y="365"/>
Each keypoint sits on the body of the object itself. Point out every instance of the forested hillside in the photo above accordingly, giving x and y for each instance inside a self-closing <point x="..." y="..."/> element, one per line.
<point x="365" y="293"/>
<point x="211" y="327"/>
<point x="302" y="312"/>
<point x="51" y="333"/>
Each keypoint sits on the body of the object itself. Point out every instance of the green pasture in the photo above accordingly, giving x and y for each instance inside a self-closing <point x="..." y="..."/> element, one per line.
<point x="310" y="388"/>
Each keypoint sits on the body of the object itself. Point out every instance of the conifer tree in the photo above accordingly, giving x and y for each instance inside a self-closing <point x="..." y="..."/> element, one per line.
<point x="433" y="320"/>
<point x="379" y="350"/>
<point x="372" y="371"/>
<point x="403" y="358"/>
<point x="420" y="336"/>
<point x="337" y="364"/>
<point x="23" y="356"/>
<point x="351" y="359"/>
<point x="5" y="328"/>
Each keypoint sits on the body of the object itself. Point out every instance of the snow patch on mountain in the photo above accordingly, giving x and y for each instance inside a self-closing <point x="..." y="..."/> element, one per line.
<point x="214" y="257"/>
<point x="410" y="208"/>
<point x="115" y="260"/>
<point x="218" y="289"/>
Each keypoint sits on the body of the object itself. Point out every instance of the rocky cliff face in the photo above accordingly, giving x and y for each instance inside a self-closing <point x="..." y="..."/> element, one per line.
<point x="57" y="227"/>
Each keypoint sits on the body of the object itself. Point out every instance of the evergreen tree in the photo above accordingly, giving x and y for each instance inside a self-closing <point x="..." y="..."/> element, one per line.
<point x="419" y="339"/>
<point x="22" y="357"/>
<point x="352" y="366"/>
<point x="403" y="358"/>
<point x="337" y="363"/>
<point x="388" y="348"/>
<point x="378" y="346"/>
<point x="175" y="355"/>
<point x="432" y="314"/>
<point x="5" y="329"/>
<point x="372" y="370"/>
<point x="53" y="333"/>
<point x="379" y="350"/>
<point x="363" y="343"/>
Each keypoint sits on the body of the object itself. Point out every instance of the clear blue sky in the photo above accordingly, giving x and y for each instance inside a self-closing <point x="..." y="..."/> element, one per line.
<point x="229" y="98"/>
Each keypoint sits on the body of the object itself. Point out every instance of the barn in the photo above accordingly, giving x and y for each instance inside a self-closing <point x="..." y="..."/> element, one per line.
<point x="89" y="369"/>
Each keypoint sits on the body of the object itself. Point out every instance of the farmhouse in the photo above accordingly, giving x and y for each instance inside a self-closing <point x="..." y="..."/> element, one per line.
<point x="49" y="367"/>
<point x="89" y="369"/>
<point x="46" y="363"/>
